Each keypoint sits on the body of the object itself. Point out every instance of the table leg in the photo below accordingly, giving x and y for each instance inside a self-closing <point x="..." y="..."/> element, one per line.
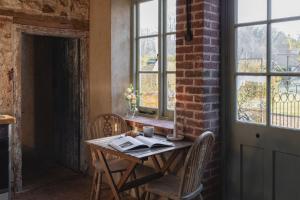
<point x="156" y="163"/>
<point x="178" y="164"/>
<point x="164" y="161"/>
<point x="126" y="174"/>
<point x="109" y="176"/>
<point x="124" y="178"/>
<point x="169" y="161"/>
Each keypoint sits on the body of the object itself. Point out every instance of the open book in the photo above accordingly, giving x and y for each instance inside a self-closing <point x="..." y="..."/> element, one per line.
<point x="126" y="143"/>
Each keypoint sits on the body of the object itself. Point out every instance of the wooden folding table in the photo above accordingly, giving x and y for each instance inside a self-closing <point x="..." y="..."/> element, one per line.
<point x="135" y="158"/>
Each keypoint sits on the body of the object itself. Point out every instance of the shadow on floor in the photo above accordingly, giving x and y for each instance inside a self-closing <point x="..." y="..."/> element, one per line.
<point x="72" y="188"/>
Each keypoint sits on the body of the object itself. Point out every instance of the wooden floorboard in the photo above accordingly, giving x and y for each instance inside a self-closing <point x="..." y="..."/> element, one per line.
<point x="75" y="188"/>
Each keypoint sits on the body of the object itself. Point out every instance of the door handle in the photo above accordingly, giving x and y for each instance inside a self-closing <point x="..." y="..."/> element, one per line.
<point x="257" y="135"/>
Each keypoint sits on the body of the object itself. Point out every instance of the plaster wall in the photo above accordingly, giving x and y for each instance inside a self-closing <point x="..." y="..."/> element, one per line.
<point x="109" y="55"/>
<point x="120" y="53"/>
<point x="100" y="54"/>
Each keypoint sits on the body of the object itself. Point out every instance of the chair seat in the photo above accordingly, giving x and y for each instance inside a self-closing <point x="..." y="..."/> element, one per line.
<point x="115" y="165"/>
<point x="167" y="186"/>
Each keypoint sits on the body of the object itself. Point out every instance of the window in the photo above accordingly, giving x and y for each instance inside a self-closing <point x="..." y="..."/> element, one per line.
<point x="155" y="55"/>
<point x="268" y="62"/>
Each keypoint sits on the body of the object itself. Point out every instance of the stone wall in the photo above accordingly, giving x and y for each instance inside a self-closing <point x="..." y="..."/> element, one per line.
<point x="197" y="81"/>
<point x="65" y="18"/>
<point x="77" y="9"/>
<point x="6" y="70"/>
<point x="25" y="11"/>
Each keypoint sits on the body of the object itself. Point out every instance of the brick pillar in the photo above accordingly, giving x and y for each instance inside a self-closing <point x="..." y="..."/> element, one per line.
<point x="198" y="78"/>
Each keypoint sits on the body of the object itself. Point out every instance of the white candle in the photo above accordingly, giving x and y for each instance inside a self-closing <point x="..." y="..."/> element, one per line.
<point x="174" y="131"/>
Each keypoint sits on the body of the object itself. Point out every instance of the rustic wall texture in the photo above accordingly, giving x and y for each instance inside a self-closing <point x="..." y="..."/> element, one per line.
<point x="78" y="9"/>
<point x="15" y="11"/>
<point x="6" y="73"/>
<point x="66" y="18"/>
<point x="198" y="78"/>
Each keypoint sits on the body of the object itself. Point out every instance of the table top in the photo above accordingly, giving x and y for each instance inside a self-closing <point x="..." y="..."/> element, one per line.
<point x="6" y="119"/>
<point x="140" y="154"/>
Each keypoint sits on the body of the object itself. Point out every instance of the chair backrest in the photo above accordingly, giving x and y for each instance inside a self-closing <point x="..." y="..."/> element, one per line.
<point x="106" y="125"/>
<point x="194" y="165"/>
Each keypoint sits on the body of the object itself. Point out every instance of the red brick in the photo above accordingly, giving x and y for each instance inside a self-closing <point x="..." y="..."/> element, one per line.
<point x="194" y="90"/>
<point x="194" y="106"/>
<point x="198" y="80"/>
<point x="184" y="82"/>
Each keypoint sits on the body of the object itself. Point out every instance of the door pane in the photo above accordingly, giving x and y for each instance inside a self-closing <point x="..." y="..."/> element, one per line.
<point x="286" y="47"/>
<point x="251" y="48"/>
<point x="252" y="10"/>
<point x="171" y="15"/>
<point x="148" y="48"/>
<point x="285" y="101"/>
<point x="171" y="91"/>
<point x="251" y="99"/>
<point x="171" y="52"/>
<point x="285" y="8"/>
<point x="148" y="18"/>
<point x="149" y="90"/>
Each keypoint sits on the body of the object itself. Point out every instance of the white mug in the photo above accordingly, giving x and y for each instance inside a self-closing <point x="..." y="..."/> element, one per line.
<point x="148" y="131"/>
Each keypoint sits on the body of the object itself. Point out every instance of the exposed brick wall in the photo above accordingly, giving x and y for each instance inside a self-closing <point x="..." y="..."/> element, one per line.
<point x="198" y="78"/>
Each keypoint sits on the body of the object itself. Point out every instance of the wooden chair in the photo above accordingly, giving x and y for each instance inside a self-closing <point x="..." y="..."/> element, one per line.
<point x="103" y="126"/>
<point x="189" y="185"/>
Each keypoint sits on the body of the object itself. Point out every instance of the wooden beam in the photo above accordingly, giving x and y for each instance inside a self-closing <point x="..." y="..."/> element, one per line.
<point x="45" y="21"/>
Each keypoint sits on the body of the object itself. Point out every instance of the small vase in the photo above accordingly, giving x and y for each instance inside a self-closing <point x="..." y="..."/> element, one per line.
<point x="130" y="114"/>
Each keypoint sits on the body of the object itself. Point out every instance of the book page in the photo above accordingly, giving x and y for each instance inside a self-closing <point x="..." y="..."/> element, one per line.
<point x="151" y="142"/>
<point x="125" y="143"/>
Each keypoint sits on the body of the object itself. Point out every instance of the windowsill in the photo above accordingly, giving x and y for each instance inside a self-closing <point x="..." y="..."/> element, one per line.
<point x="161" y="126"/>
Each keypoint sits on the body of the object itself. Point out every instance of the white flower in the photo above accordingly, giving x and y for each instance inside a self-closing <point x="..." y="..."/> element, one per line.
<point x="129" y="90"/>
<point x="129" y="97"/>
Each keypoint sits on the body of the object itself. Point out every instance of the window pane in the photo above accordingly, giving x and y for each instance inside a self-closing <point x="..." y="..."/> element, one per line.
<point x="286" y="47"/>
<point x="171" y="91"/>
<point x="148" y="18"/>
<point x="285" y="105"/>
<point x="251" y="48"/>
<point x="149" y="90"/>
<point x="252" y="10"/>
<point x="171" y="15"/>
<point x="285" y="8"/>
<point x="171" y="52"/>
<point x="251" y="99"/>
<point x="148" y="54"/>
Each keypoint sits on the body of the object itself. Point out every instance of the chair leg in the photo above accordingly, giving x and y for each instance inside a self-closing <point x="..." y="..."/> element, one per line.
<point x="93" y="185"/>
<point x="98" y="186"/>
<point x="201" y="197"/>
<point x="136" y="189"/>
<point x="147" y="196"/>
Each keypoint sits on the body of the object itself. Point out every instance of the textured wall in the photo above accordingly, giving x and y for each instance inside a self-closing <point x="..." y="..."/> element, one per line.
<point x="6" y="73"/>
<point x="197" y="79"/>
<point x="78" y="9"/>
<point x="65" y="9"/>
<point x="120" y="51"/>
<point x="100" y="57"/>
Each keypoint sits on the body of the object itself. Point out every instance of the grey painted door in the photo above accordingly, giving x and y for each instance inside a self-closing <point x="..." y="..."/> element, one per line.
<point x="263" y="160"/>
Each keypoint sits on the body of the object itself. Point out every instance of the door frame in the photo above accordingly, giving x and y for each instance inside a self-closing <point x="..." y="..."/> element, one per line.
<point x="228" y="48"/>
<point x="227" y="15"/>
<point x="15" y="141"/>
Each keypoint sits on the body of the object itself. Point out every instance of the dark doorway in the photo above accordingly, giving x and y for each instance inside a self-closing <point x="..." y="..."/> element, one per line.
<point x="50" y="108"/>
